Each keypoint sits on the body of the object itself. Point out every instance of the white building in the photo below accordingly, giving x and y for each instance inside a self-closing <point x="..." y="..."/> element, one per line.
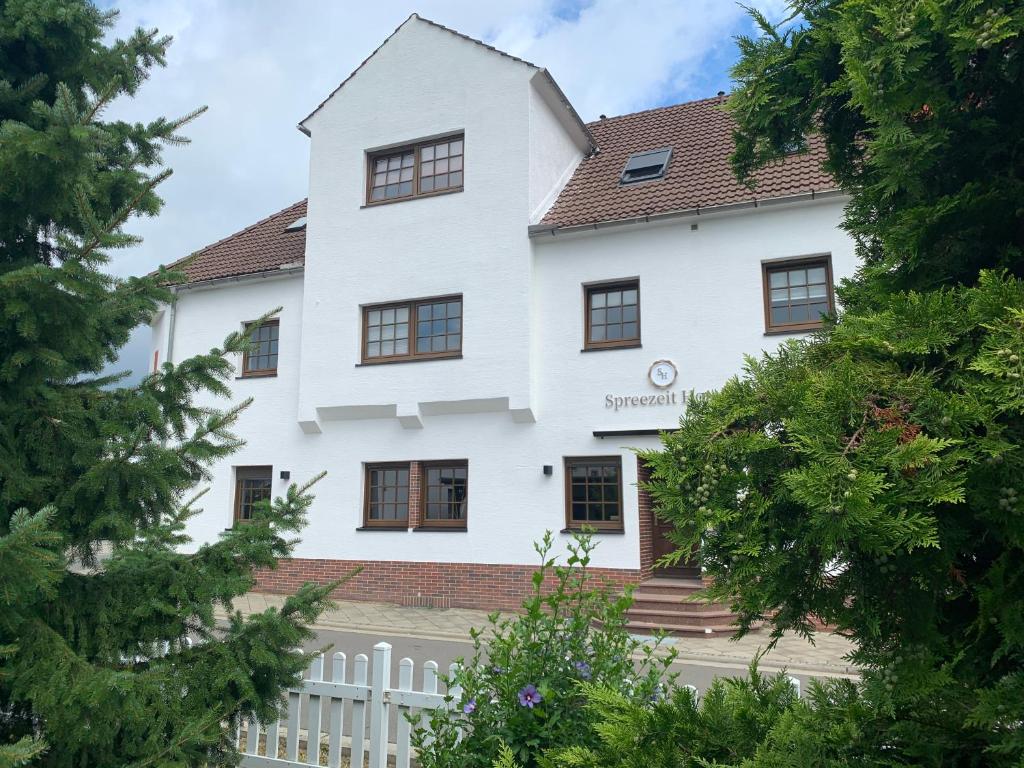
<point x="485" y="304"/>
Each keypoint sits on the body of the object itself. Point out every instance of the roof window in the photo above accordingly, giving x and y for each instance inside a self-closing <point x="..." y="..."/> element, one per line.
<point x="299" y="223"/>
<point x="643" y="166"/>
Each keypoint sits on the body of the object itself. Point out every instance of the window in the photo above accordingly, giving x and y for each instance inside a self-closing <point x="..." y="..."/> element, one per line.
<point x="387" y="495"/>
<point x="797" y="293"/>
<point x="593" y="492"/>
<point x="644" y="166"/>
<point x="261" y="358"/>
<point x="422" y="169"/>
<point x="444" y="488"/>
<point x="423" y="328"/>
<point x="252" y="485"/>
<point x="613" y="314"/>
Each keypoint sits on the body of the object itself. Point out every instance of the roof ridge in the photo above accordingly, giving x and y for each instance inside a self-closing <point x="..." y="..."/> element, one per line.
<point x="692" y="102"/>
<point x="239" y="233"/>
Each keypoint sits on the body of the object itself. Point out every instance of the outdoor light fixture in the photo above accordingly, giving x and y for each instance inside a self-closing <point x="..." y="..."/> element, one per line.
<point x="548" y="469"/>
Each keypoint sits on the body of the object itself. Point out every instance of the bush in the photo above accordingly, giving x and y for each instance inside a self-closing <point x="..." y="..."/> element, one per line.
<point x="725" y="727"/>
<point x="520" y="695"/>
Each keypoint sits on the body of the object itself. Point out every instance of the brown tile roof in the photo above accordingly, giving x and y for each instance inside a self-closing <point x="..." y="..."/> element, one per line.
<point x="698" y="175"/>
<point x="261" y="247"/>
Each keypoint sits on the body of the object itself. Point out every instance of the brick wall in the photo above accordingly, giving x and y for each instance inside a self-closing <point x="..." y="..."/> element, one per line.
<point x="440" y="585"/>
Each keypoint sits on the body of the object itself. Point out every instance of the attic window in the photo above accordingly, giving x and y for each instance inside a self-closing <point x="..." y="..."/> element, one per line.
<point x="643" y="166"/>
<point x="297" y="224"/>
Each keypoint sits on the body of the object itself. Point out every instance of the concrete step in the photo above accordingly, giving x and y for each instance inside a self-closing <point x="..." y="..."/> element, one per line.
<point x="676" y="604"/>
<point x="679" y="629"/>
<point x="669" y="587"/>
<point x="670" y="617"/>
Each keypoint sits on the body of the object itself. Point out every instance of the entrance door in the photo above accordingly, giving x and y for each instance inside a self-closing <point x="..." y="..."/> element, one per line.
<point x="687" y="568"/>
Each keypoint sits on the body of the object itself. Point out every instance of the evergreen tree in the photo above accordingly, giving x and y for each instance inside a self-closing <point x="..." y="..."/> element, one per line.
<point x="871" y="475"/>
<point x="94" y="667"/>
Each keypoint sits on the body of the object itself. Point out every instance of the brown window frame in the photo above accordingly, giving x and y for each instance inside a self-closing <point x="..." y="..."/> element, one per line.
<point x="600" y="525"/>
<point x="412" y="305"/>
<point x="416" y="148"/>
<point x="426" y="522"/>
<point x="604" y="286"/>
<point x="781" y="265"/>
<point x="368" y="522"/>
<point x="248" y="473"/>
<point x="248" y="327"/>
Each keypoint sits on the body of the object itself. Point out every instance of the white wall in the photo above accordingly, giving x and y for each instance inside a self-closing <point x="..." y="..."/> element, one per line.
<point x="701" y="302"/>
<point x="423" y="83"/>
<point x="701" y="305"/>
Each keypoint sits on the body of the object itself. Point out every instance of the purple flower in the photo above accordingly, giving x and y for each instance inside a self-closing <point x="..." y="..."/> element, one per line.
<point x="469" y="707"/>
<point x="582" y="669"/>
<point x="498" y="670"/>
<point x="529" y="696"/>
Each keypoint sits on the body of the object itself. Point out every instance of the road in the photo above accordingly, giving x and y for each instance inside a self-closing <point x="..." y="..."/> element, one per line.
<point x="698" y="673"/>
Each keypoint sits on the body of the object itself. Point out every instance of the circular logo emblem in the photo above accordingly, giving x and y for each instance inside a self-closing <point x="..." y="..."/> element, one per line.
<point x="662" y="373"/>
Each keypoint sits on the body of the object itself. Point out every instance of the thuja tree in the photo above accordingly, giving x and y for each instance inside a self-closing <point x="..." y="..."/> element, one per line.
<point x="872" y="475"/>
<point x="93" y="670"/>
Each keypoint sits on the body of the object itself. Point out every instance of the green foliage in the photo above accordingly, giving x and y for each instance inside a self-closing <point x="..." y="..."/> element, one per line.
<point x="572" y="629"/>
<point x="725" y="726"/>
<point x="84" y="680"/>
<point x="870" y="475"/>
<point x="919" y="106"/>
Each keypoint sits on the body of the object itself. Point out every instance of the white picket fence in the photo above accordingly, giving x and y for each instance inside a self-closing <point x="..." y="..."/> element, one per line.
<point x="369" y="698"/>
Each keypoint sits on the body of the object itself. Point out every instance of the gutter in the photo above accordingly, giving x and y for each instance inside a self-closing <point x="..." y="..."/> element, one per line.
<point x="535" y="230"/>
<point x="284" y="270"/>
<point x="170" y="324"/>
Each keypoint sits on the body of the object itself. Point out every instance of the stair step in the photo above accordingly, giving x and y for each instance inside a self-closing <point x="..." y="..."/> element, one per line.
<point x="668" y="603"/>
<point x="669" y="587"/>
<point x="669" y="618"/>
<point x="679" y="630"/>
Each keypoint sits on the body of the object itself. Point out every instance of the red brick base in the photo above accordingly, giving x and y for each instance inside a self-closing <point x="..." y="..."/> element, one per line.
<point x="440" y="585"/>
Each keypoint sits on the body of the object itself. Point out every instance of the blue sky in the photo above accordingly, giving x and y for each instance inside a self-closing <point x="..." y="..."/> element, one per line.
<point x="262" y="65"/>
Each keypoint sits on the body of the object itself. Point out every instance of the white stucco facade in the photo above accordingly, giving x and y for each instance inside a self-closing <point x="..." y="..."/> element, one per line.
<point x="522" y="394"/>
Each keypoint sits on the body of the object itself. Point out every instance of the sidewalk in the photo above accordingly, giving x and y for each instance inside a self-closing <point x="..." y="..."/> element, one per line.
<point x="825" y="656"/>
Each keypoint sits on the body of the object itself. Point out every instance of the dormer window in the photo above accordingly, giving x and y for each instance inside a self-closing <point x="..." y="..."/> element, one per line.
<point x="426" y="168"/>
<point x="645" y="166"/>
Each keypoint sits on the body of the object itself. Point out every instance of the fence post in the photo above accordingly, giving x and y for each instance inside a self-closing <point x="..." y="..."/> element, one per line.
<point x="429" y="686"/>
<point x="316" y="673"/>
<point x="379" y="705"/>
<point x="358" y="713"/>
<point x="291" y="746"/>
<point x="337" y="712"/>
<point x="403" y="727"/>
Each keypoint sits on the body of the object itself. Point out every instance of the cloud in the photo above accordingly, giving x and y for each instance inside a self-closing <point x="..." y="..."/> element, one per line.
<point x="261" y="66"/>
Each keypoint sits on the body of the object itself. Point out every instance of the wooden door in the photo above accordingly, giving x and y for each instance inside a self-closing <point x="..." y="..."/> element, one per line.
<point x="686" y="568"/>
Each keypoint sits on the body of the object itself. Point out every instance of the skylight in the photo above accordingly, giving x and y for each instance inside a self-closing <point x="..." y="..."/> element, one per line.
<point x="297" y="224"/>
<point x="643" y="166"/>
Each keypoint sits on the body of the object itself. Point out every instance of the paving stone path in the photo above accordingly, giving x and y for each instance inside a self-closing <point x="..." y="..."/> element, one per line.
<point x="826" y="655"/>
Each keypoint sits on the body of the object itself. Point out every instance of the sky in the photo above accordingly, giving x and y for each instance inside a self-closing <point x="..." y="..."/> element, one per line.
<point x="260" y="66"/>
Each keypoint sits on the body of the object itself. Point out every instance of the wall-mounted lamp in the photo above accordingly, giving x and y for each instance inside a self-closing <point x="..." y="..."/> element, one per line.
<point x="548" y="469"/>
<point x="286" y="474"/>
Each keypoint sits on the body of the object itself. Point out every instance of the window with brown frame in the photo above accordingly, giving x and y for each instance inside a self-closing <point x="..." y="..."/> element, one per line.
<point x="261" y="358"/>
<point x="444" y="493"/>
<point x="612" y="314"/>
<point x="421" y="328"/>
<point x="593" y="492"/>
<point x="426" y="168"/>
<point x="252" y="485"/>
<point x="387" y="495"/>
<point x="797" y="292"/>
